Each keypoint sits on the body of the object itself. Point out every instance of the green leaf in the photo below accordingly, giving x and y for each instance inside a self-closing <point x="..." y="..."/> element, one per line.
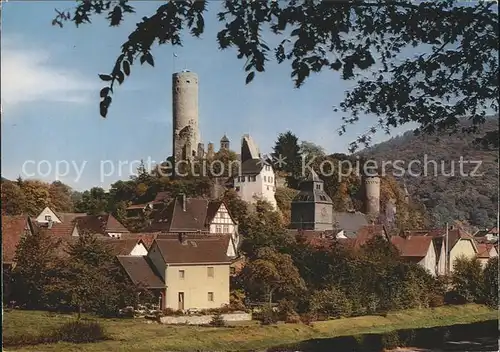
<point x="105" y="77"/>
<point x="250" y="77"/>
<point x="126" y="67"/>
<point x="149" y="59"/>
<point x="104" y="92"/>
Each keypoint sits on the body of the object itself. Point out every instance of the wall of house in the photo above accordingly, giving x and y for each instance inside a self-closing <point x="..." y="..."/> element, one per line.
<point x="196" y="285"/>
<point x="263" y="187"/>
<point x="429" y="261"/>
<point x="156" y="258"/>
<point x="41" y="218"/>
<point x="441" y="261"/>
<point x="463" y="248"/>
<point x="139" y="250"/>
<point x="222" y="222"/>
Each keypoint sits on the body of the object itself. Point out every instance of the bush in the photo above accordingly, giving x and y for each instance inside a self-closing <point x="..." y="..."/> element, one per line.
<point x="172" y="312"/>
<point x="218" y="320"/>
<point x="267" y="316"/>
<point x="453" y="297"/>
<point x="436" y="300"/>
<point x="287" y="312"/>
<point x="331" y="302"/>
<point x="79" y="332"/>
<point x="308" y="318"/>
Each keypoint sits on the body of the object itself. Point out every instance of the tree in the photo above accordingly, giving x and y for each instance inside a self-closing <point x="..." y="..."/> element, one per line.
<point x="311" y="150"/>
<point x="456" y="76"/>
<point x="37" y="196"/>
<point x="287" y="148"/>
<point x="60" y="197"/>
<point x="467" y="278"/>
<point x="490" y="283"/>
<point x="92" y="280"/>
<point x="13" y="199"/>
<point x="37" y="265"/>
<point x="93" y="202"/>
<point x="273" y="272"/>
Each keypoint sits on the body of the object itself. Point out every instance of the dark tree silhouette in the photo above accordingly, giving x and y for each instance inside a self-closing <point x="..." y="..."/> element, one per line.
<point x="457" y="76"/>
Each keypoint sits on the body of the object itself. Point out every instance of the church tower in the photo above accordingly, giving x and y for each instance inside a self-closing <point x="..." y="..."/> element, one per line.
<point x="312" y="208"/>
<point x="224" y="143"/>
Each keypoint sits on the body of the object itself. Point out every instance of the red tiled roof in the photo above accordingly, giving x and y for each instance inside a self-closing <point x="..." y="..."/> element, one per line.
<point x="13" y="228"/>
<point x="62" y="230"/>
<point x="121" y="246"/>
<point x="196" y="216"/>
<point x="483" y="250"/>
<point x="100" y="224"/>
<point x="140" y="271"/>
<point x="413" y="246"/>
<point x="211" y="249"/>
<point x="69" y="217"/>
<point x="366" y="233"/>
<point x="454" y="235"/>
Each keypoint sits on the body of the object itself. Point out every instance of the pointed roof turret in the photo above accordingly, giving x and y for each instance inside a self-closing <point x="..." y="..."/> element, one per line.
<point x="224" y="138"/>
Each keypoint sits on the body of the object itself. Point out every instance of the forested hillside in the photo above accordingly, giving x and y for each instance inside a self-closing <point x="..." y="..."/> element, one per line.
<point x="447" y="193"/>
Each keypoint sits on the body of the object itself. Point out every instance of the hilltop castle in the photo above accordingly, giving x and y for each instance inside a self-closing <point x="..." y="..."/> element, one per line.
<point x="256" y="179"/>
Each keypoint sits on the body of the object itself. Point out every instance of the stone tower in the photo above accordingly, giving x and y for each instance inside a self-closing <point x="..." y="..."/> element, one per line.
<point x="312" y="208"/>
<point x="186" y="135"/>
<point x="372" y="201"/>
<point x="224" y="143"/>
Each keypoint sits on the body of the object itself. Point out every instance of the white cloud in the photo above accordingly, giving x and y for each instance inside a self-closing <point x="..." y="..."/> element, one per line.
<point x="28" y="76"/>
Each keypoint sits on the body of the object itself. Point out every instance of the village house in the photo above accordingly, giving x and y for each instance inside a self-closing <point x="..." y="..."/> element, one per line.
<point x="130" y="246"/>
<point x="189" y="273"/>
<point x="103" y="224"/>
<point x="48" y="215"/>
<point x="419" y="250"/>
<point x="197" y="216"/>
<point x="485" y="251"/>
<point x="14" y="228"/>
<point x="256" y="178"/>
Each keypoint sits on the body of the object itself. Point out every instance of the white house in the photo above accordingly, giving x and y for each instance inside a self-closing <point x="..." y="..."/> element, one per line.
<point x="256" y="179"/>
<point x="47" y="215"/>
<point x="419" y="250"/>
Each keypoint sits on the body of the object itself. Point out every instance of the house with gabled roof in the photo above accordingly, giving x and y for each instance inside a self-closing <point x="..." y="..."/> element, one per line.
<point x="196" y="216"/>
<point x="188" y="272"/>
<point x="48" y="215"/>
<point x="103" y="224"/>
<point x="450" y="245"/>
<point x="486" y="251"/>
<point x="129" y="246"/>
<point x="14" y="228"/>
<point x="417" y="249"/>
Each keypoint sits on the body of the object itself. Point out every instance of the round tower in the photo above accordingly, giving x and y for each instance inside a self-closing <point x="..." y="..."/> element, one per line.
<point x="372" y="187"/>
<point x="185" y="115"/>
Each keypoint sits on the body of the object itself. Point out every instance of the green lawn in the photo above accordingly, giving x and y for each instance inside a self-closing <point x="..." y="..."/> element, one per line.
<point x="137" y="335"/>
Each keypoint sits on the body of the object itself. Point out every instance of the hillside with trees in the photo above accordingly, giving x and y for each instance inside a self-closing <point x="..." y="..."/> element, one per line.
<point x="447" y="196"/>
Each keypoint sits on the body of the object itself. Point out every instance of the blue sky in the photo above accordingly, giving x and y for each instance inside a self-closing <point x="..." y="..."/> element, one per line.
<point x="50" y="95"/>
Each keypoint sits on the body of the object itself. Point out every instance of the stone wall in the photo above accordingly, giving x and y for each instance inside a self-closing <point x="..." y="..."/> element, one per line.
<point x="203" y="319"/>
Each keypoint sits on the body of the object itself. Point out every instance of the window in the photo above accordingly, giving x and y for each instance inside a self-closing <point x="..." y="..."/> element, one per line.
<point x="265" y="178"/>
<point x="241" y="179"/>
<point x="318" y="186"/>
<point x="210" y="271"/>
<point x="225" y="229"/>
<point x="218" y="229"/>
<point x="181" y="274"/>
<point x="268" y="188"/>
<point x="210" y="296"/>
<point x="252" y="178"/>
<point x="232" y="270"/>
<point x="48" y="217"/>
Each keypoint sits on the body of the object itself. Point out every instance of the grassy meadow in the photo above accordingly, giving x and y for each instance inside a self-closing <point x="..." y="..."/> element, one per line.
<point x="137" y="335"/>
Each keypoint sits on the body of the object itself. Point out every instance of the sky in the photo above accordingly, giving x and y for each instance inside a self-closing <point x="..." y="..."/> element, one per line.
<point x="51" y="127"/>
